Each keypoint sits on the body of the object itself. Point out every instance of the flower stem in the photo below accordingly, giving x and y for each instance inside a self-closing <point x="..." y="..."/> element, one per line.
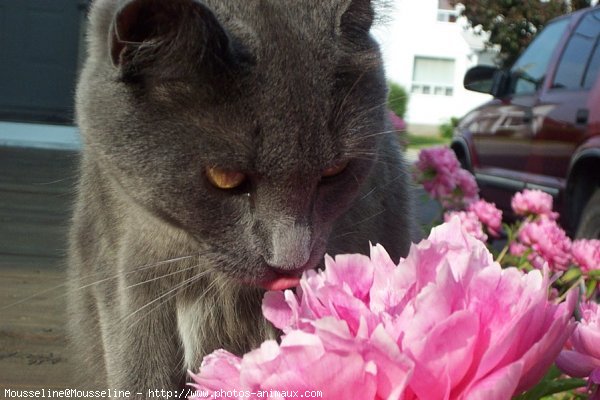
<point x="577" y="283"/>
<point x="502" y="254"/>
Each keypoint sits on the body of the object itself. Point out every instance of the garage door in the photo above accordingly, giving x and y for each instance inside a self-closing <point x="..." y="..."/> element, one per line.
<point x="39" y="52"/>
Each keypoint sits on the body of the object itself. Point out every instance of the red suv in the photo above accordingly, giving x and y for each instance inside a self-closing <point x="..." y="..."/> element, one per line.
<point x="542" y="129"/>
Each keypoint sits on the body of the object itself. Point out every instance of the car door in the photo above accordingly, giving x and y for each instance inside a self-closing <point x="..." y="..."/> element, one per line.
<point x="504" y="129"/>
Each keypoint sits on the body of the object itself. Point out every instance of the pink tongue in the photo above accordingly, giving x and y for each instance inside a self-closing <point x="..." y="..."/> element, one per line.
<point x="285" y="282"/>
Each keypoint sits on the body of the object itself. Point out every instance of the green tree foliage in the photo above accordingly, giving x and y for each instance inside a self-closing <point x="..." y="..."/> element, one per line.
<point x="397" y="99"/>
<point x="446" y="130"/>
<point x="513" y="23"/>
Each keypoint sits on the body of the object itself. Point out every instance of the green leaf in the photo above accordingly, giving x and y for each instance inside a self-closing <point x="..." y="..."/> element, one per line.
<point x="591" y="287"/>
<point x="571" y="275"/>
<point x="510" y="232"/>
<point x="595" y="274"/>
<point x="551" y="385"/>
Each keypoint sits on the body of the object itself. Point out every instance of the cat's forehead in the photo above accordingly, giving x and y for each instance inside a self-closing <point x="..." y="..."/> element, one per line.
<point x="264" y="15"/>
<point x="278" y="31"/>
<point x="288" y="93"/>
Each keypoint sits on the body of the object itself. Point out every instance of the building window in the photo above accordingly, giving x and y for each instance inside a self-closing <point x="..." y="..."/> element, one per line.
<point x="433" y="76"/>
<point x="446" y="13"/>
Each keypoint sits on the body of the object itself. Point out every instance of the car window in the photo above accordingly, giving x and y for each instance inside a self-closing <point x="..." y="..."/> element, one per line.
<point x="530" y="69"/>
<point x="578" y="66"/>
<point x="592" y="70"/>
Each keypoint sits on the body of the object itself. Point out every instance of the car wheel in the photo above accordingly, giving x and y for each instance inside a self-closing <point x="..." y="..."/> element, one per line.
<point x="589" y="224"/>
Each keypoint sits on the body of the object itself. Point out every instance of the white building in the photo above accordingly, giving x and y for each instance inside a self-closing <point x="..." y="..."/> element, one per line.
<point x="427" y="50"/>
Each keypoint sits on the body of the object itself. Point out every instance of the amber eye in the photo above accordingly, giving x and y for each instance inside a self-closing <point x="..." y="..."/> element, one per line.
<point x="335" y="169"/>
<point x="224" y="179"/>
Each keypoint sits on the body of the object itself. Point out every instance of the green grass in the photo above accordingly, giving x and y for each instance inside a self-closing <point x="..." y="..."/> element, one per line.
<point x="420" y="141"/>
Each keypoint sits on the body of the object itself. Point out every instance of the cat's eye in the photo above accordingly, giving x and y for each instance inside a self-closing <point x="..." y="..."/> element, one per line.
<point x="335" y="169"/>
<point x="224" y="179"/>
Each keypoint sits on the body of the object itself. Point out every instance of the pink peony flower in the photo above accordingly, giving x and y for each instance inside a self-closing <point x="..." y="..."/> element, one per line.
<point x="439" y="171"/>
<point x="467" y="187"/>
<point x="469" y="221"/>
<point x="397" y="123"/>
<point x="517" y="249"/>
<point x="488" y="215"/>
<point x="436" y="169"/>
<point x="583" y="358"/>
<point x="548" y="243"/>
<point x="446" y="323"/>
<point x="533" y="202"/>
<point x="586" y="254"/>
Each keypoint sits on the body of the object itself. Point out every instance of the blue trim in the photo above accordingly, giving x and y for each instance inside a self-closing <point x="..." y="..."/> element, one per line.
<point x="15" y="134"/>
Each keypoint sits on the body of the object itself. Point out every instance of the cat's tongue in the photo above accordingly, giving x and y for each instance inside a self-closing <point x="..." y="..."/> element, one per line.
<point x="282" y="283"/>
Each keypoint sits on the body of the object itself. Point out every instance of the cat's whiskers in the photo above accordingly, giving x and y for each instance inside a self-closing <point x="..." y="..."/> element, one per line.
<point x="366" y="157"/>
<point x="172" y="292"/>
<point x="369" y="193"/>
<point x="376" y="134"/>
<point x="370" y="109"/>
<point x="48" y="183"/>
<point x="338" y="115"/>
<point x="133" y="271"/>
<point x="362" y="221"/>
<point x="365" y="197"/>
<point x="82" y="278"/>
<point x="179" y="271"/>
<point x="169" y="295"/>
<point x="384" y="187"/>
<point x="166" y="296"/>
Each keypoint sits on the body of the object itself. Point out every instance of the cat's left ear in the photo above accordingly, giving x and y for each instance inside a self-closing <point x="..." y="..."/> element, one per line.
<point x="156" y="38"/>
<point x="355" y="18"/>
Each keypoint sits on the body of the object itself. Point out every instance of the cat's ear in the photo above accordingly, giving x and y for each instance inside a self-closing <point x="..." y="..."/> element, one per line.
<point x="147" y="34"/>
<point x="355" y="18"/>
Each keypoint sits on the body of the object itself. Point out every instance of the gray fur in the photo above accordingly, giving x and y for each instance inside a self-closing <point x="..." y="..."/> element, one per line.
<point x="163" y="266"/>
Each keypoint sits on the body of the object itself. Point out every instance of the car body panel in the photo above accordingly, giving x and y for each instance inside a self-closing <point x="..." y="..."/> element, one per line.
<point x="532" y="135"/>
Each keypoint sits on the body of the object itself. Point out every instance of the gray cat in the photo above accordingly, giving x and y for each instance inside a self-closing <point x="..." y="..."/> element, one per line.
<point x="228" y="145"/>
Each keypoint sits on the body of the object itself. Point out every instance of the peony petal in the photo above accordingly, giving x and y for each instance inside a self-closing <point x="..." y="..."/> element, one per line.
<point x="595" y="376"/>
<point x="354" y="270"/>
<point x="510" y="306"/>
<point x="259" y="363"/>
<point x="586" y="340"/>
<point x="276" y="310"/>
<point x="303" y="363"/>
<point x="576" y="364"/>
<point x="334" y="334"/>
<point x="445" y="355"/>
<point x="348" y="308"/>
<point x="464" y="253"/>
<point x="499" y="385"/>
<point x="381" y="259"/>
<point x="392" y="287"/>
<point x="219" y="370"/>
<point x="395" y="369"/>
<point x="542" y="354"/>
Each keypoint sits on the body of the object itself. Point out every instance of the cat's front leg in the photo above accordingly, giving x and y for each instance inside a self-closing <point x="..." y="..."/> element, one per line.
<point x="143" y="355"/>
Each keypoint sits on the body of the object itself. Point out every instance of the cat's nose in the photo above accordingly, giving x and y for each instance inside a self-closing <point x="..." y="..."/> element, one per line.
<point x="290" y="247"/>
